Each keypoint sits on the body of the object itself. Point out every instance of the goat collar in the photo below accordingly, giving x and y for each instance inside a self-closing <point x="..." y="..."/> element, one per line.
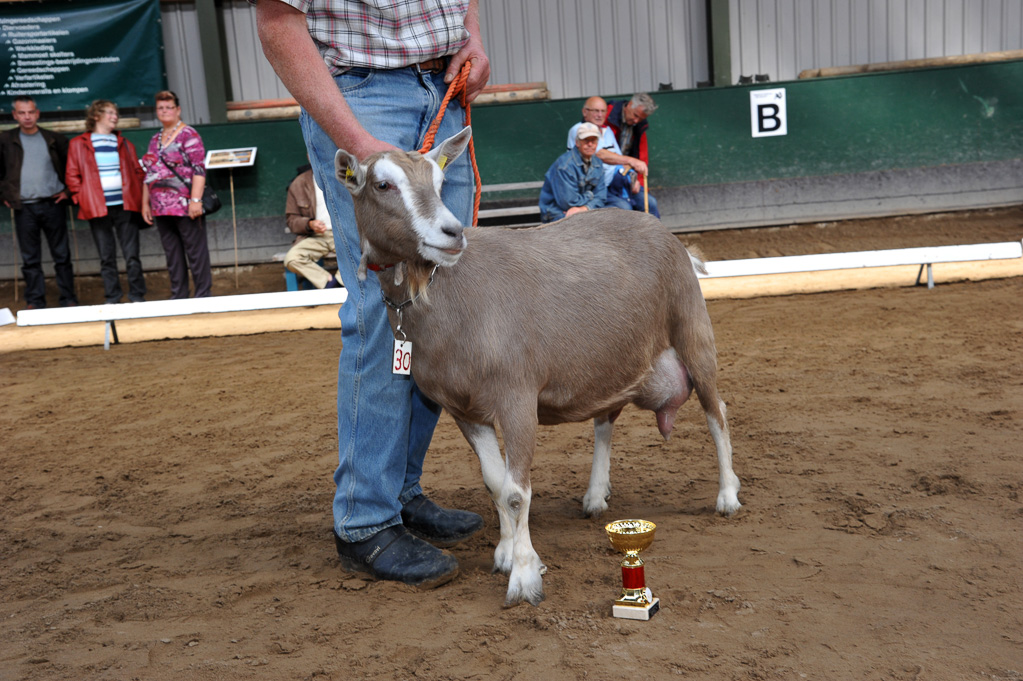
<point x="380" y="268"/>
<point x="398" y="307"/>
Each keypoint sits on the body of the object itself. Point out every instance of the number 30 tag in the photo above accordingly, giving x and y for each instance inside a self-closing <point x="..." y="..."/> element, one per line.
<point x="402" y="358"/>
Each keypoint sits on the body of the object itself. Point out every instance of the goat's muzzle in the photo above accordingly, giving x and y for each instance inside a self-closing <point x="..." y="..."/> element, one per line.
<point x="446" y="247"/>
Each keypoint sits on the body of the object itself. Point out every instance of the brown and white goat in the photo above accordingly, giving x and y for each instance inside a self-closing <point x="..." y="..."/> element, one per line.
<point x="565" y="322"/>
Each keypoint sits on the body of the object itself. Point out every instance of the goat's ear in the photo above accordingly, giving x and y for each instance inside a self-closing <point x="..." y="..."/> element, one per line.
<point x="348" y="171"/>
<point x="451" y="148"/>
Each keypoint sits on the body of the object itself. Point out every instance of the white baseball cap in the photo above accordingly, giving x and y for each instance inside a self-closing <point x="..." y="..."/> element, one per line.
<point x="587" y="130"/>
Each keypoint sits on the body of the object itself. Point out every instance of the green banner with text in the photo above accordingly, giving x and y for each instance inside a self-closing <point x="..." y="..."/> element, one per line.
<point x="66" y="54"/>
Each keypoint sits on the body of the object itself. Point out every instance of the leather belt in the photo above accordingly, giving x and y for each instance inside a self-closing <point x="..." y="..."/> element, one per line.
<point x="434" y="65"/>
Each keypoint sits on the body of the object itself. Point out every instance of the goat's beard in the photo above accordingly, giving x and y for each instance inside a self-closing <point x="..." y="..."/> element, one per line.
<point x="419" y="275"/>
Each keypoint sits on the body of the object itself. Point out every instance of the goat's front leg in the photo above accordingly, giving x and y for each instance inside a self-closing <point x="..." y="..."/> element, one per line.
<point x="483" y="440"/>
<point x="525" y="583"/>
<point x="599" y="491"/>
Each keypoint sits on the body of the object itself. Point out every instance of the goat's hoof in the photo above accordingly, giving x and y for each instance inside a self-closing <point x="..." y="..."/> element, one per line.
<point x="497" y="568"/>
<point x="728" y="506"/>
<point x="595" y="508"/>
<point x="533" y="599"/>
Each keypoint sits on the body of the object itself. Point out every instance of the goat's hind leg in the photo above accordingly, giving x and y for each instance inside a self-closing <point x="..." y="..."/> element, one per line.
<point x="728" y="481"/>
<point x="599" y="490"/>
<point x="703" y="372"/>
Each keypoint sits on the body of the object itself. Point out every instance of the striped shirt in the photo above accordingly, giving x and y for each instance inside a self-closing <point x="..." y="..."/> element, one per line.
<point x="109" y="164"/>
<point x="384" y="34"/>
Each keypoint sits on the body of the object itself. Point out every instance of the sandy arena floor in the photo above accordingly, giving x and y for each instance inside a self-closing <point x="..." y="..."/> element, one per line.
<point x="166" y="505"/>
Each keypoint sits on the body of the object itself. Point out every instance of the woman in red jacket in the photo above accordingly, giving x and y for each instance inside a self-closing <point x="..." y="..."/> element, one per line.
<point x="105" y="181"/>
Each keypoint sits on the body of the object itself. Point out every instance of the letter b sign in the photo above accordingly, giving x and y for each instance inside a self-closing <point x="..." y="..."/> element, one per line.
<point x="767" y="109"/>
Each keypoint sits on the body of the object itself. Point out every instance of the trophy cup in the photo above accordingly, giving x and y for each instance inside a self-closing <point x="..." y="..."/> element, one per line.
<point x="630" y="537"/>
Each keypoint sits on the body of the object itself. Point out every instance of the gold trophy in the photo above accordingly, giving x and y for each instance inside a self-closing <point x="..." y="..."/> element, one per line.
<point x="630" y="537"/>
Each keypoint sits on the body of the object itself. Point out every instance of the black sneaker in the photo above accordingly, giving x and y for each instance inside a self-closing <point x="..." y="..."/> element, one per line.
<point x="394" y="554"/>
<point x="440" y="526"/>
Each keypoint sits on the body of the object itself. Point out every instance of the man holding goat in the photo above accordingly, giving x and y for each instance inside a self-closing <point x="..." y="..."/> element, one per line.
<point x="366" y="83"/>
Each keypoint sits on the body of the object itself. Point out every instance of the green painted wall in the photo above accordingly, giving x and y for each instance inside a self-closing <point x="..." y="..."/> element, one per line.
<point x="840" y="125"/>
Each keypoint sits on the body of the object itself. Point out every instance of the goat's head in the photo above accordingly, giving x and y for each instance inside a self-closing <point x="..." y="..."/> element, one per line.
<point x="398" y="209"/>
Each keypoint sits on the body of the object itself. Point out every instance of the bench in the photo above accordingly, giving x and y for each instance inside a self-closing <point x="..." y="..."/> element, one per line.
<point x="511" y="211"/>
<point x="172" y="308"/>
<point x="924" y="257"/>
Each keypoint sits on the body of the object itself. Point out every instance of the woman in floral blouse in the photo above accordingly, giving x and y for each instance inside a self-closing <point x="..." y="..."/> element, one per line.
<point x="172" y="196"/>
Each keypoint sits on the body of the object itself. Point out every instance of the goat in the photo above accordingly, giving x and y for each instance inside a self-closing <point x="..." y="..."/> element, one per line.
<point x="554" y="324"/>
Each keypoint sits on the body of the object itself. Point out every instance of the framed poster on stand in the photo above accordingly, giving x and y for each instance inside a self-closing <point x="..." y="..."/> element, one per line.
<point x="218" y="159"/>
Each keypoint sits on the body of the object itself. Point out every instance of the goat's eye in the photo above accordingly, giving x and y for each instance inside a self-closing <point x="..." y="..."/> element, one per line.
<point x="383" y="186"/>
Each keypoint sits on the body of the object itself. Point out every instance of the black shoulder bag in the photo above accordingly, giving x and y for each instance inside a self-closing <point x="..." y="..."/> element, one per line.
<point x="210" y="201"/>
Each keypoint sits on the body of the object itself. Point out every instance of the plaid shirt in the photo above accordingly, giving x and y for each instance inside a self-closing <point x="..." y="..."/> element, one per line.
<point x="384" y="34"/>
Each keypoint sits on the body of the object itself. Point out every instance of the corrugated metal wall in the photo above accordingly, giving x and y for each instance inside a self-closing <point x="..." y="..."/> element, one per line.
<point x="183" y="59"/>
<point x="585" y="47"/>
<point x="582" y="47"/>
<point x="572" y="45"/>
<point x="780" y="38"/>
<point x="250" y="73"/>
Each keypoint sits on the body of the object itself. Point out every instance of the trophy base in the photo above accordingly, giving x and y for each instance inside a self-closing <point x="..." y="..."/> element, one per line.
<point x="637" y="612"/>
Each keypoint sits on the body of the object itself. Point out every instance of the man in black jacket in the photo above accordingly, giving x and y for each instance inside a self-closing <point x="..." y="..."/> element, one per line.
<point x="32" y="162"/>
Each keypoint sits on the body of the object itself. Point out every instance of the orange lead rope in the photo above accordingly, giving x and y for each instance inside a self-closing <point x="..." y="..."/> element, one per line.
<point x="458" y="84"/>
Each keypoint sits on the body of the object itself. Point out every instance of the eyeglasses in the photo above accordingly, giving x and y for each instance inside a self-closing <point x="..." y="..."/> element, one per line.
<point x="586" y="108"/>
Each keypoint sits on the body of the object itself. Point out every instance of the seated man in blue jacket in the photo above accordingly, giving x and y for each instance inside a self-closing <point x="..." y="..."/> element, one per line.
<point x="574" y="182"/>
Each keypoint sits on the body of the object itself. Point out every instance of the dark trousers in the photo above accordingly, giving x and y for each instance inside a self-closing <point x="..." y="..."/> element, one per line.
<point x="119" y="225"/>
<point x="184" y="243"/>
<point x="31" y="223"/>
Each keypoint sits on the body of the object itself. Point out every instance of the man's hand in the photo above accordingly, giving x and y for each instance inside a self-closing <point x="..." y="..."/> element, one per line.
<point x="638" y="165"/>
<point x="60" y="196"/>
<point x="317" y="226"/>
<point x="478" y="75"/>
<point x="472" y="51"/>
<point x="575" y="209"/>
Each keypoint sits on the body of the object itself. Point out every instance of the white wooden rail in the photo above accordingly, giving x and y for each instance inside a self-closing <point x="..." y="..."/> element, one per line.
<point x="173" y="308"/>
<point x="924" y="257"/>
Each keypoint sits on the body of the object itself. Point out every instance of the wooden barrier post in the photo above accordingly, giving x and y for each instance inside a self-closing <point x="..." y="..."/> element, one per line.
<point x="234" y="225"/>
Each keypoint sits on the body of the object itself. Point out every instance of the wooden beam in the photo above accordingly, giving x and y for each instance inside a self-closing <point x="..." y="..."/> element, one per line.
<point x="953" y="60"/>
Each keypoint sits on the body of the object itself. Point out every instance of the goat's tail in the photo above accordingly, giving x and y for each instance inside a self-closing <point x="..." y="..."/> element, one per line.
<point x="697" y="258"/>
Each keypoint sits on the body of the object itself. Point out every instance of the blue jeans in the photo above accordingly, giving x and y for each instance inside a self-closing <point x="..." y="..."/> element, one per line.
<point x="620" y="196"/>
<point x="384" y="422"/>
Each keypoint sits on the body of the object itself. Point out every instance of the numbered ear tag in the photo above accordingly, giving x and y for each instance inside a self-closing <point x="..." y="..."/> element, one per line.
<point x="401" y="363"/>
